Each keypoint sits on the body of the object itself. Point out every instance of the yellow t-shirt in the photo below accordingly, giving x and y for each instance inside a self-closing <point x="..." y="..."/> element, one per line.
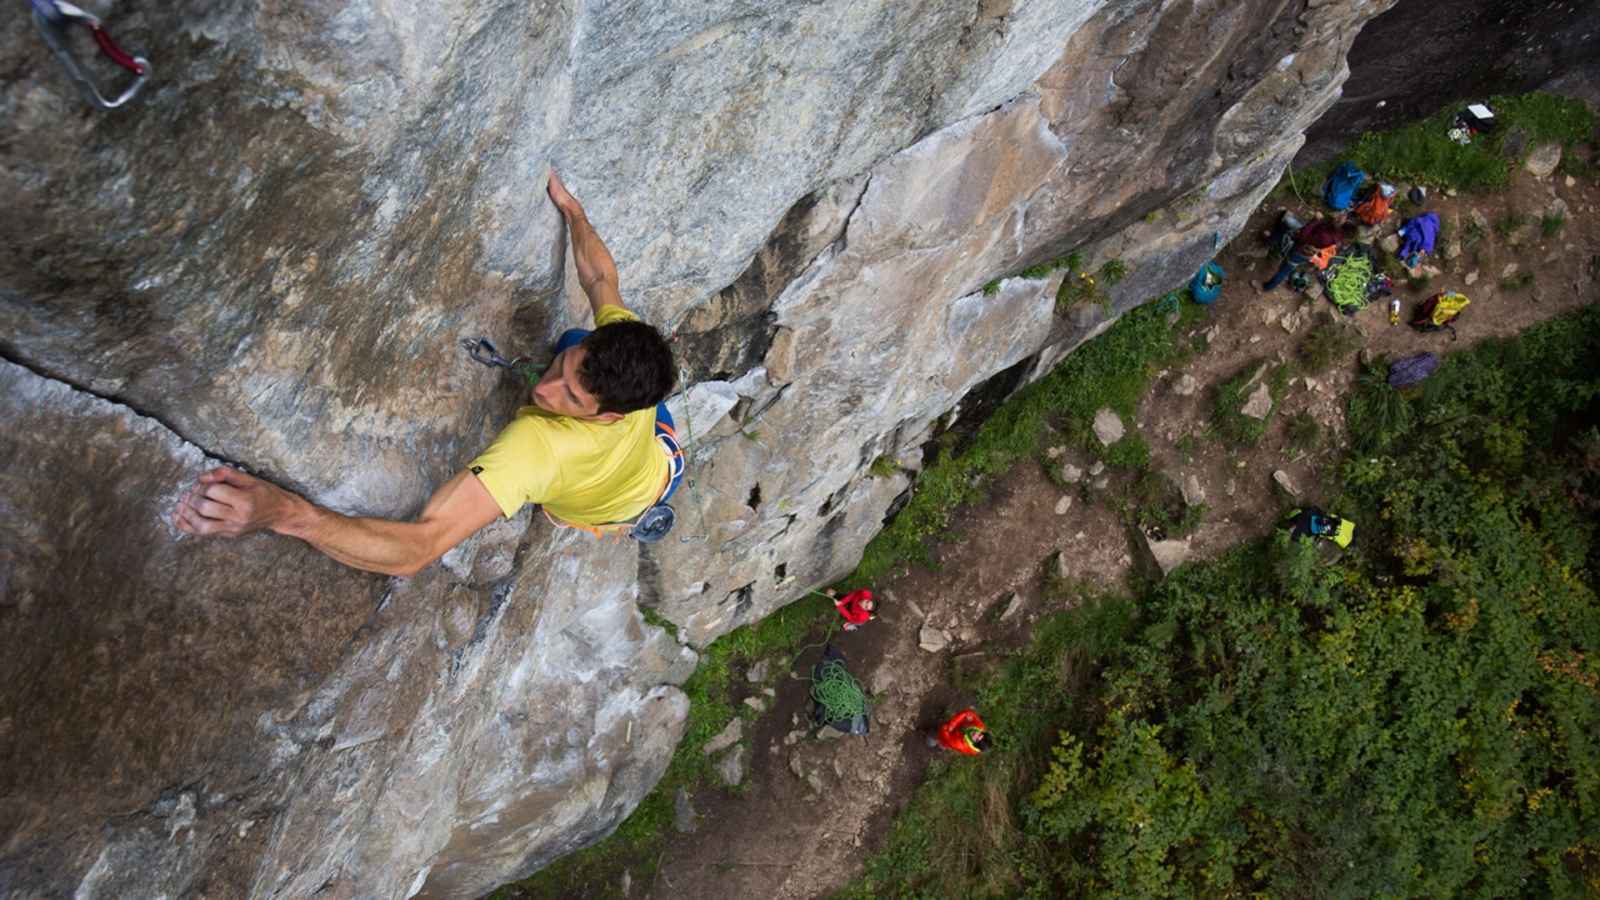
<point x="586" y="473"/>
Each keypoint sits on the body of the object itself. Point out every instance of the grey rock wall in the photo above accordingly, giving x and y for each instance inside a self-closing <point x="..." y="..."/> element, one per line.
<point x="270" y="257"/>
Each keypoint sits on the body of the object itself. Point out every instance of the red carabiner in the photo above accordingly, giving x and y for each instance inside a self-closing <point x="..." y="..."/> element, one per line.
<point x="116" y="54"/>
<point x="52" y="17"/>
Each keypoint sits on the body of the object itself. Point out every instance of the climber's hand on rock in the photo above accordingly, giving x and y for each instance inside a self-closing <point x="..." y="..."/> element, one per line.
<point x="562" y="198"/>
<point x="230" y="503"/>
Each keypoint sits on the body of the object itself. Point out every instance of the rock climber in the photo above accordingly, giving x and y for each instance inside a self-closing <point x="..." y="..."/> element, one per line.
<point x="595" y="448"/>
<point x="1315" y="244"/>
<point x="856" y="608"/>
<point x="964" y="733"/>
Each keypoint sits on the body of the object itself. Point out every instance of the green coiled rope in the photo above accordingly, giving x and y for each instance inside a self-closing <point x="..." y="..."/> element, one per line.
<point x="837" y="693"/>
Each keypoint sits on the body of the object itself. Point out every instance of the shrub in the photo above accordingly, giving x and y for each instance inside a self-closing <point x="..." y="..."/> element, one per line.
<point x="1302" y="431"/>
<point x="1325" y="345"/>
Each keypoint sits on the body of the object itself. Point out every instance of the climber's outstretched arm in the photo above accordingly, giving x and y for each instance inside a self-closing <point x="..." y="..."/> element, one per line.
<point x="597" y="271"/>
<point x="230" y="503"/>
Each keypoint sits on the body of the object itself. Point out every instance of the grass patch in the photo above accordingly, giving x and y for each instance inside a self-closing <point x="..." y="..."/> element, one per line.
<point x="1378" y="415"/>
<point x="1325" y="345"/>
<point x="883" y="467"/>
<point x="1423" y="152"/>
<point x="1471" y="233"/>
<point x="1132" y="452"/>
<point x="1114" y="369"/>
<point x="1550" y="224"/>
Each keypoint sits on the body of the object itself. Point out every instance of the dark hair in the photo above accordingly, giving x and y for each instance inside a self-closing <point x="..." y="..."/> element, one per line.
<point x="981" y="740"/>
<point x="628" y="366"/>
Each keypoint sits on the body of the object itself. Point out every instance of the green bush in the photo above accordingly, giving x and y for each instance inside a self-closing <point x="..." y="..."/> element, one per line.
<point x="1327" y="344"/>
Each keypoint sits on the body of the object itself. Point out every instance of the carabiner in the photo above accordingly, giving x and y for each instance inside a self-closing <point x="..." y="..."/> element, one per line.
<point x="481" y="350"/>
<point x="52" y="17"/>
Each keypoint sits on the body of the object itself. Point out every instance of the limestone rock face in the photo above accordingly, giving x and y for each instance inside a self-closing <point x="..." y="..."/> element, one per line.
<point x="269" y="259"/>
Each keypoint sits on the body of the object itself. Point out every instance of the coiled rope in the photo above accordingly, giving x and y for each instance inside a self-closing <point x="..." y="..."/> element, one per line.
<point x="837" y="693"/>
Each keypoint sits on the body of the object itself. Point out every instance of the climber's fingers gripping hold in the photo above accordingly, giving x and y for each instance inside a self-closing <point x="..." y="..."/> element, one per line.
<point x="229" y="503"/>
<point x="561" y="197"/>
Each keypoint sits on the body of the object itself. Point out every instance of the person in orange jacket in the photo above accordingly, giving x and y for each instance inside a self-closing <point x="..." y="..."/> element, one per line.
<point x="965" y="733"/>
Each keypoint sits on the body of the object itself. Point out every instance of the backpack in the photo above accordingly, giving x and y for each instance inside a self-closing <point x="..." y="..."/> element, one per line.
<point x="1340" y="189"/>
<point x="1312" y="522"/>
<point x="1373" y="209"/>
<point x="1439" y="312"/>
<point x="1412" y="370"/>
<point x="1207" y="283"/>
<point x="1322" y="257"/>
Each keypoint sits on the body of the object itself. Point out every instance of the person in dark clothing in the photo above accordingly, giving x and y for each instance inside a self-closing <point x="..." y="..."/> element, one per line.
<point x="1313" y="244"/>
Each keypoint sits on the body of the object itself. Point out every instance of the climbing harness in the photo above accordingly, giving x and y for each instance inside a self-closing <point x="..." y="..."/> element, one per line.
<point x="52" y="18"/>
<point x="838" y="695"/>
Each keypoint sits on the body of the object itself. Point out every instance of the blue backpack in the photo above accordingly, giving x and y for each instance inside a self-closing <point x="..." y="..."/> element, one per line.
<point x="1340" y="189"/>
<point x="1206" y="285"/>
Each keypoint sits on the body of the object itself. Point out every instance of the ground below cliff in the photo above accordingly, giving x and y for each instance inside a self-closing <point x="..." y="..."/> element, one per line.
<point x="807" y="812"/>
<point x="797" y="816"/>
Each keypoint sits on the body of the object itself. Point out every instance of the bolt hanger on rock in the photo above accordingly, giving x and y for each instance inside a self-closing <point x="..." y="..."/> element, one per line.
<point x="53" y="19"/>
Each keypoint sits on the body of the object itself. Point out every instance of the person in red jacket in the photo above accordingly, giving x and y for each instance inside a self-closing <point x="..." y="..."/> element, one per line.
<point x="856" y="608"/>
<point x="964" y="733"/>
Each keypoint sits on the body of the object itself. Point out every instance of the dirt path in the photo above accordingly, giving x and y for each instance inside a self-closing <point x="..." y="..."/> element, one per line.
<point x="810" y="811"/>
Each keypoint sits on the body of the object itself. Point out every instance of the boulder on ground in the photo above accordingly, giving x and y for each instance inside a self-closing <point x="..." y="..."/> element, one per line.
<point x="731" y="768"/>
<point x="1259" y="404"/>
<point x="1286" y="483"/>
<point x="1108" y="426"/>
<point x="727" y="737"/>
<point x="1186" y="385"/>
<point x="1542" y="162"/>
<point x="1168" y="554"/>
<point x="933" y="639"/>
<point x="684" y="818"/>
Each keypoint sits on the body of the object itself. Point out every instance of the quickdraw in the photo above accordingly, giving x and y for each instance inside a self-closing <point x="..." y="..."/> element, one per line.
<point x="52" y="18"/>
<point x="483" y="350"/>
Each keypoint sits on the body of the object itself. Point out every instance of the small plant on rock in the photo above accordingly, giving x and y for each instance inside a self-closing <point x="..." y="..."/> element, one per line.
<point x="1550" y="224"/>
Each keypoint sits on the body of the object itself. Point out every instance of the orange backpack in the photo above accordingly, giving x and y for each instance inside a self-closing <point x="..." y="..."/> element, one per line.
<point x="1372" y="210"/>
<point x="1322" y="257"/>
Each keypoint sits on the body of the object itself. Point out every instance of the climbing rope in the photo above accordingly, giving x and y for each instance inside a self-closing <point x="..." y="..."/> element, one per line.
<point x="52" y="17"/>
<point x="837" y="693"/>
